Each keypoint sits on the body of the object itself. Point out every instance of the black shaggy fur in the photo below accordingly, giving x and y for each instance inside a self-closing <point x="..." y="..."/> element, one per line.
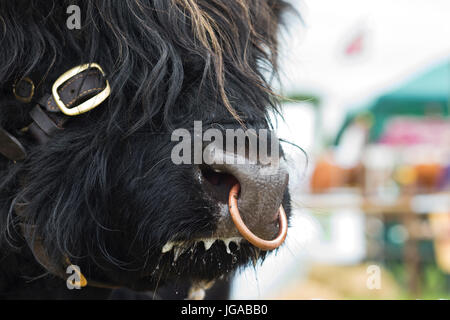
<point x="104" y="192"/>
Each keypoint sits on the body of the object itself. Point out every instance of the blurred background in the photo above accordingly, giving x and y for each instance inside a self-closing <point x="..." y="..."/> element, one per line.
<point x="367" y="87"/>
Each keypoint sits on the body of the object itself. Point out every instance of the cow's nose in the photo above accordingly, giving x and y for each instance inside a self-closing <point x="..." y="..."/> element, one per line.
<point x="262" y="189"/>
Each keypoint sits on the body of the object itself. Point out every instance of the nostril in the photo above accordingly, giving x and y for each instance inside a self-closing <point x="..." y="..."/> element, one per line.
<point x="218" y="183"/>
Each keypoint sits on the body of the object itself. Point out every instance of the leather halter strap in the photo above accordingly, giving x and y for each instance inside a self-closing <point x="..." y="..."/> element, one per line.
<point x="78" y="90"/>
<point x="10" y="147"/>
<point x="84" y="85"/>
<point x="40" y="254"/>
<point x="47" y="116"/>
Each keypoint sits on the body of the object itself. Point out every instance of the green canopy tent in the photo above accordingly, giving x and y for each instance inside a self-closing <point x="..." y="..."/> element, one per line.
<point x="425" y="95"/>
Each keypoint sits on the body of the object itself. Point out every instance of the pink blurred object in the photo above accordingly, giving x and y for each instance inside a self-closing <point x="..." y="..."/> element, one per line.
<point x="409" y="130"/>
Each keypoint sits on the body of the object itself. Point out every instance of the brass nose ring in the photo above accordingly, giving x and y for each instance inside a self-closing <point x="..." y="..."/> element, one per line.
<point x="245" y="231"/>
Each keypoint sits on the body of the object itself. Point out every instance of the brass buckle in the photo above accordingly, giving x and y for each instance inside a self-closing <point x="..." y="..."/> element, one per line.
<point x="87" y="105"/>
<point x="31" y="94"/>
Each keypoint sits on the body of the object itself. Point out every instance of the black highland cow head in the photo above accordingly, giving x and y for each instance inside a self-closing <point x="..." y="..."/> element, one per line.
<point x="104" y="192"/>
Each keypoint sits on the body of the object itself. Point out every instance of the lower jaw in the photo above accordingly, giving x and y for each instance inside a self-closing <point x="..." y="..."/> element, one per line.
<point x="180" y="247"/>
<point x="200" y="264"/>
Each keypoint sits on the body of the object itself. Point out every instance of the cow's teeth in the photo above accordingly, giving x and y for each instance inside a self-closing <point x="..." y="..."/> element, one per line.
<point x="178" y="251"/>
<point x="180" y="247"/>
<point x="228" y="241"/>
<point x="167" y="247"/>
<point x="208" y="243"/>
<point x="227" y="246"/>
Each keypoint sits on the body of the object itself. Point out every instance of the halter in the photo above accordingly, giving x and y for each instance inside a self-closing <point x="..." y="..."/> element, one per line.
<point x="78" y="90"/>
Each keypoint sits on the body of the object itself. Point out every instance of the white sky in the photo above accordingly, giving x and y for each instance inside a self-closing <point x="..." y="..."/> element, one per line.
<point x="401" y="37"/>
